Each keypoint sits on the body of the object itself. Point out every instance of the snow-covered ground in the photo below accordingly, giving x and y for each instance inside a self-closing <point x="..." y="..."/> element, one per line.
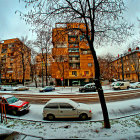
<point x="124" y="128"/>
<point x="61" y="90"/>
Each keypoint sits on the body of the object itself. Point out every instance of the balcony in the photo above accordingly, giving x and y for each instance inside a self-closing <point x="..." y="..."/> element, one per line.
<point x="73" y="39"/>
<point x="73" y="50"/>
<point x="9" y="71"/>
<point x="74" y="61"/>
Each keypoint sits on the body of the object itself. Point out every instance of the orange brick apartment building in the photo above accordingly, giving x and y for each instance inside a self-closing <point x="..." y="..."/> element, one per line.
<point x="40" y="63"/>
<point x="14" y="55"/>
<point x="73" y="61"/>
<point x="127" y="66"/>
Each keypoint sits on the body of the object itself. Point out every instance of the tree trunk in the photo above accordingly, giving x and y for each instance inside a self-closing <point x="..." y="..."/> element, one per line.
<point x="99" y="89"/>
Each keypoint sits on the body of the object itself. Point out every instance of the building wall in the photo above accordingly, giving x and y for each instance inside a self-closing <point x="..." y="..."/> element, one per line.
<point x="39" y="64"/>
<point x="11" y="52"/>
<point x="72" y="57"/>
<point x="131" y="66"/>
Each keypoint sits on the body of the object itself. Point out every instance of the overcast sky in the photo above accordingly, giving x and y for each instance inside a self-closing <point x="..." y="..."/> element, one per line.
<point x="11" y="26"/>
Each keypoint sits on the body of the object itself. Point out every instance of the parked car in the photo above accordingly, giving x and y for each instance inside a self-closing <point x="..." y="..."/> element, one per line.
<point x="66" y="108"/>
<point x="135" y="85"/>
<point x="90" y="84"/>
<point x="7" y="88"/>
<point x="47" y="89"/>
<point x="114" y="83"/>
<point x="14" y="105"/>
<point x="20" y="88"/>
<point x="121" y="85"/>
<point x="87" y="88"/>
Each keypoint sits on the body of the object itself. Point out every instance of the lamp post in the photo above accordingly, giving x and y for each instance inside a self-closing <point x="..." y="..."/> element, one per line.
<point x="122" y="68"/>
<point x="42" y="70"/>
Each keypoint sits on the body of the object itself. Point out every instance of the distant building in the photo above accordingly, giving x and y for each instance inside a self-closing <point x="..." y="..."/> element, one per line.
<point x="73" y="62"/>
<point x="15" y="59"/>
<point x="41" y="62"/>
<point x="127" y="66"/>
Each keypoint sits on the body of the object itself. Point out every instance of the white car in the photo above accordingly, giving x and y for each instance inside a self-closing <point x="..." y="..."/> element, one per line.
<point x="114" y="83"/>
<point x="21" y="88"/>
<point x="135" y="85"/>
<point x="7" y="88"/>
<point x="66" y="108"/>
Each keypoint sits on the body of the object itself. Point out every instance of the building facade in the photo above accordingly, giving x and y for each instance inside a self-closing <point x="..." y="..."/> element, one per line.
<point x="15" y="58"/>
<point x="127" y="66"/>
<point x="72" y="59"/>
<point x="41" y="64"/>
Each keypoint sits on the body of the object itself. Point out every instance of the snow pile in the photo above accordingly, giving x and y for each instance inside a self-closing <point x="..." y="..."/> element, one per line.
<point x="125" y="128"/>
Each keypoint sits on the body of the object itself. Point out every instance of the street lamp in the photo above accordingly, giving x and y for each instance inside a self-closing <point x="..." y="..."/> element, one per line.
<point x="122" y="68"/>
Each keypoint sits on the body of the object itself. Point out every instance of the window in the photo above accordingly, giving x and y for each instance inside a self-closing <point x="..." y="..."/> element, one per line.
<point x="74" y="73"/>
<point x="4" y="50"/>
<point x="65" y="106"/>
<point x="89" y="64"/>
<point x="86" y="72"/>
<point x="52" y="106"/>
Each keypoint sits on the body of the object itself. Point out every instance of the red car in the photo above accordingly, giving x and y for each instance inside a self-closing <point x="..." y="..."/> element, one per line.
<point x="13" y="104"/>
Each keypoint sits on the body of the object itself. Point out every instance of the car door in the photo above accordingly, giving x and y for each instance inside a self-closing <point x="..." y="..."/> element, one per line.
<point x="138" y="85"/>
<point x="66" y="110"/>
<point x="122" y="86"/>
<point x="52" y="108"/>
<point x="93" y="88"/>
<point x="87" y="88"/>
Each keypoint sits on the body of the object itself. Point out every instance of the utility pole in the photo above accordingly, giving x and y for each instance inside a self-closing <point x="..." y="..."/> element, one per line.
<point x="0" y="68"/>
<point x="0" y="63"/>
<point x="42" y="70"/>
<point x="46" y="68"/>
<point x="122" y="68"/>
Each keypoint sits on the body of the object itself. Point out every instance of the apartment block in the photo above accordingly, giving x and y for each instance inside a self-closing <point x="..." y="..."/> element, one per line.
<point x="15" y="59"/>
<point x="127" y="66"/>
<point x="72" y="59"/>
<point x="41" y="63"/>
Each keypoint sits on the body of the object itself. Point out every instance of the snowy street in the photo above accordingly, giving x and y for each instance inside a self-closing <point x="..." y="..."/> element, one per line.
<point x="115" y="109"/>
<point x="127" y="127"/>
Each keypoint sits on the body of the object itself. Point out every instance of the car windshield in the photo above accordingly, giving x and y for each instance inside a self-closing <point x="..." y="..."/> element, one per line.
<point x="118" y="84"/>
<point x="12" y="100"/>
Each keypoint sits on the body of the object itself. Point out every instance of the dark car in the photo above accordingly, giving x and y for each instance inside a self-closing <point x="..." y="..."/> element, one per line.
<point x="87" y="88"/>
<point x="14" y="105"/>
<point x="47" y="88"/>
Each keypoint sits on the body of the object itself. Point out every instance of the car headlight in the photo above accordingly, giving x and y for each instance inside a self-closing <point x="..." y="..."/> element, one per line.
<point x="20" y="108"/>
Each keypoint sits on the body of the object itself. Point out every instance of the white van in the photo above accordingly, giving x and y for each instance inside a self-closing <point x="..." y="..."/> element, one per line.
<point x="121" y="85"/>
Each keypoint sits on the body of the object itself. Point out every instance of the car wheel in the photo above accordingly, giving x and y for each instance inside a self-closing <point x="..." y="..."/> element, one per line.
<point x="14" y="112"/>
<point x="4" y="89"/>
<point x="83" y="90"/>
<point x="83" y="116"/>
<point x="50" y="117"/>
<point x="127" y="87"/>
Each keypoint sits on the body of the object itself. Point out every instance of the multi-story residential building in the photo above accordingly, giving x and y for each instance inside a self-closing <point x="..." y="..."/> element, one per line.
<point x="41" y="63"/>
<point x="15" y="61"/>
<point x="127" y="66"/>
<point x="73" y="61"/>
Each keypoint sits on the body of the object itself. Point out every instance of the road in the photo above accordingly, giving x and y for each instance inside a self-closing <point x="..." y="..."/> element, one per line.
<point x="80" y="97"/>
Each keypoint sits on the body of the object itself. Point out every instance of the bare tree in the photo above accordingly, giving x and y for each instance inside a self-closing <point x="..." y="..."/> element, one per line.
<point x="103" y="22"/>
<point x="43" y="42"/>
<point x="22" y="56"/>
<point x="104" y="63"/>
